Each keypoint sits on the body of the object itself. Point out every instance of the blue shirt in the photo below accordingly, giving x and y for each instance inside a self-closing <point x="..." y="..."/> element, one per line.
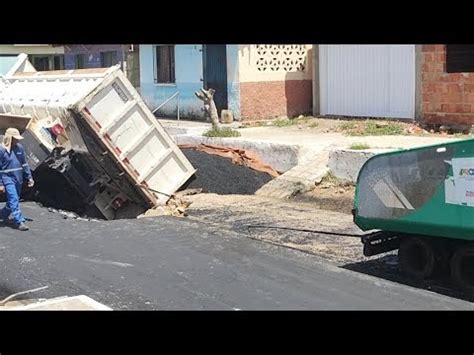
<point x="13" y="165"/>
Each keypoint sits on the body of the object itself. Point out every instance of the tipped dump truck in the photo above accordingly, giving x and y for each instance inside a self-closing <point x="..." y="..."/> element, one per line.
<point x="92" y="127"/>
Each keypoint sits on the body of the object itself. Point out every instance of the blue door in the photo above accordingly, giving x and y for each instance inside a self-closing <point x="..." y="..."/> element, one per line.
<point x="215" y="73"/>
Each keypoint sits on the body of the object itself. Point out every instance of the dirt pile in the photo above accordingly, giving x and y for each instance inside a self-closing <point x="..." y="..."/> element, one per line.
<point x="216" y="174"/>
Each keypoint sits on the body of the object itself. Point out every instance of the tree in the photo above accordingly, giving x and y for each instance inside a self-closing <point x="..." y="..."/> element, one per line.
<point x="207" y="96"/>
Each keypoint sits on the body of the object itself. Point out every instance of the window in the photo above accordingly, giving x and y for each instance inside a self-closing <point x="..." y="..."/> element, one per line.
<point x="58" y="62"/>
<point x="459" y="58"/>
<point x="47" y="62"/>
<point x="164" y="70"/>
<point x="41" y="63"/>
<point x="79" y="61"/>
<point x="108" y="59"/>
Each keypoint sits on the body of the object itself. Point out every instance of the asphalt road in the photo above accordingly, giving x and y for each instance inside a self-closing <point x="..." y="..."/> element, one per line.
<point x="179" y="264"/>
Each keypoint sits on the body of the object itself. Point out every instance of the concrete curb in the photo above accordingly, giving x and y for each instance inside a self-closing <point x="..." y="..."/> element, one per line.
<point x="345" y="164"/>
<point x="281" y="157"/>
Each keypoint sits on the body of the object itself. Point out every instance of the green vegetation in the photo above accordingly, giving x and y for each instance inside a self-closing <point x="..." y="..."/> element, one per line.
<point x="359" y="146"/>
<point x="222" y="132"/>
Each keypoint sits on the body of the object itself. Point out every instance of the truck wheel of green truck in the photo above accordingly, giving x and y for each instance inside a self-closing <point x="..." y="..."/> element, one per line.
<point x="417" y="257"/>
<point x="462" y="268"/>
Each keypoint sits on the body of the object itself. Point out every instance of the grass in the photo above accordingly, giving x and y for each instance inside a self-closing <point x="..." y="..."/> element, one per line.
<point x="222" y="132"/>
<point x="391" y="129"/>
<point x="371" y="128"/>
<point x="359" y="146"/>
<point x="314" y="125"/>
<point x="286" y="122"/>
<point x="347" y="126"/>
<point x="331" y="180"/>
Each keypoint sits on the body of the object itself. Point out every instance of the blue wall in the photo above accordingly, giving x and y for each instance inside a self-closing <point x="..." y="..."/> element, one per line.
<point x="188" y="69"/>
<point x="6" y="63"/>
<point x="233" y="83"/>
<point x="189" y="76"/>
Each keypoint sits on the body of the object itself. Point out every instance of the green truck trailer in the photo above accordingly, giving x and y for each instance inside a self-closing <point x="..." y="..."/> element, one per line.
<point x="421" y="202"/>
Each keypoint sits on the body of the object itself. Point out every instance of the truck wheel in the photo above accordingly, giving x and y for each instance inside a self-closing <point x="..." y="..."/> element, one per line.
<point x="417" y="258"/>
<point x="462" y="268"/>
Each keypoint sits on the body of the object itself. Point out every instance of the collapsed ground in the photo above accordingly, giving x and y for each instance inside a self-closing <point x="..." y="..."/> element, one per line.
<point x="228" y="201"/>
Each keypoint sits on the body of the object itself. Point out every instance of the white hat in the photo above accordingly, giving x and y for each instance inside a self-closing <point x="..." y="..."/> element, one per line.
<point x="9" y="135"/>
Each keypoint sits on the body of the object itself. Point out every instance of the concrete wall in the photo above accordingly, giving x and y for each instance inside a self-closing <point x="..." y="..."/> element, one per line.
<point x="91" y="54"/>
<point x="345" y="164"/>
<point x="275" y="80"/>
<point x="280" y="157"/>
<point x="447" y="98"/>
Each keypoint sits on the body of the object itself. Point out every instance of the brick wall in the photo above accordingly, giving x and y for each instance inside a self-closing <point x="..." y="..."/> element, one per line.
<point x="447" y="98"/>
<point x="270" y="99"/>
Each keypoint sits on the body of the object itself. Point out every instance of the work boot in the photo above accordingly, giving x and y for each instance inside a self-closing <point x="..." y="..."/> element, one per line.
<point x="22" y="227"/>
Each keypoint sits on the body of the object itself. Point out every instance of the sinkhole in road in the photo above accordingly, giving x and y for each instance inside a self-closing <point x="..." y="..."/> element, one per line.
<point x="214" y="174"/>
<point x="53" y="191"/>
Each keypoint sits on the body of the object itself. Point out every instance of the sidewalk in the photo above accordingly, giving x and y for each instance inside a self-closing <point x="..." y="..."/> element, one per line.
<point x="314" y="139"/>
<point x="302" y="154"/>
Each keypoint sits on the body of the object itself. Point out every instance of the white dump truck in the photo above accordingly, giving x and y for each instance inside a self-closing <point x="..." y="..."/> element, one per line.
<point x="92" y="127"/>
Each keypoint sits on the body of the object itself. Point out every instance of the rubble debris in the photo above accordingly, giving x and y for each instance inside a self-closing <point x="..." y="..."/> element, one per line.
<point x="414" y="129"/>
<point x="188" y="192"/>
<point x="176" y="207"/>
<point x="219" y="175"/>
<point x="448" y="128"/>
<point x="70" y="215"/>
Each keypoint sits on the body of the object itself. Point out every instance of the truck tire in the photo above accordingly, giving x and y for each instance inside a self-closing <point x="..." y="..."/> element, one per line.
<point x="462" y="268"/>
<point x="417" y="257"/>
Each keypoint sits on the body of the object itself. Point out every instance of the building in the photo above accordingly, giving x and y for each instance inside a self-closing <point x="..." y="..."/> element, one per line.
<point x="74" y="56"/>
<point x="6" y="63"/>
<point x="431" y="84"/>
<point x="42" y="56"/>
<point x="427" y="83"/>
<point x="83" y="56"/>
<point x="447" y="84"/>
<point x="253" y="81"/>
<point x="365" y="81"/>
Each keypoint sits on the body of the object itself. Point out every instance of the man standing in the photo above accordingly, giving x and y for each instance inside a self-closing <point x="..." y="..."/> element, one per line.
<point x="13" y="170"/>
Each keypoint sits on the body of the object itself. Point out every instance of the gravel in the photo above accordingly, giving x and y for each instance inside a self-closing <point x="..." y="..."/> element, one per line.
<point x="219" y="175"/>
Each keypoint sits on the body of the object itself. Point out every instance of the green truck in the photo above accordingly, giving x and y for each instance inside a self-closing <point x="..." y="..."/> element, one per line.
<point x="421" y="202"/>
